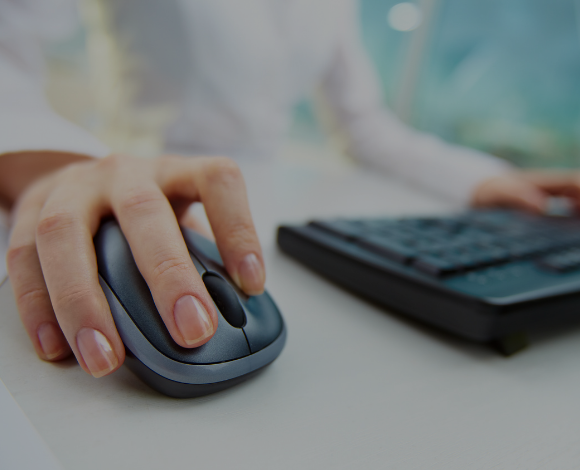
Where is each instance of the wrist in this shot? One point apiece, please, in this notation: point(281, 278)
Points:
point(19, 170)
point(480, 192)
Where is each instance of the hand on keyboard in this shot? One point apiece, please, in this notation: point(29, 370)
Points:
point(440, 246)
point(528, 190)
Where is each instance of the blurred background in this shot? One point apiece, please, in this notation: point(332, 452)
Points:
point(498, 75)
point(502, 76)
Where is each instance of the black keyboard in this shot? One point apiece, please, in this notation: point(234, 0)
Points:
point(490, 276)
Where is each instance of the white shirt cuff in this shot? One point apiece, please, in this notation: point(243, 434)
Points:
point(458, 182)
point(43, 131)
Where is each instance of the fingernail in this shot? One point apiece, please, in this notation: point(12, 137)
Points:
point(96, 351)
point(52, 341)
point(192, 319)
point(251, 275)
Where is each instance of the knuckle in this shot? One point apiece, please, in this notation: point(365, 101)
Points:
point(31, 296)
point(240, 234)
point(56, 222)
point(164, 160)
point(112, 162)
point(223, 170)
point(170, 267)
point(78, 296)
point(139, 200)
point(34, 195)
point(18, 254)
point(73, 171)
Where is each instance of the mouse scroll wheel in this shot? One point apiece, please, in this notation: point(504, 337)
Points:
point(225, 299)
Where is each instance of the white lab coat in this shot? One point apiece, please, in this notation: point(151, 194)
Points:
point(234, 70)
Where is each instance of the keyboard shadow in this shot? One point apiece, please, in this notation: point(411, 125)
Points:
point(537, 337)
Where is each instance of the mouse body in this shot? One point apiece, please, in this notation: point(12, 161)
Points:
point(250, 333)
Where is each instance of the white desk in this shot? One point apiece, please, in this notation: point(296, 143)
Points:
point(356, 387)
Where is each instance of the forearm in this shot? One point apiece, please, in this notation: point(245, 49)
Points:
point(449, 170)
point(34, 140)
point(375, 136)
point(19, 169)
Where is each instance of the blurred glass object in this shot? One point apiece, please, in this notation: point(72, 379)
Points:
point(68, 85)
point(499, 75)
point(91, 79)
point(405, 16)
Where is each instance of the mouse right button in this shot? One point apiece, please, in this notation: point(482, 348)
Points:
point(263, 322)
point(225, 299)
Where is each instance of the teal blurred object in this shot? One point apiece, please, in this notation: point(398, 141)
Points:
point(499, 75)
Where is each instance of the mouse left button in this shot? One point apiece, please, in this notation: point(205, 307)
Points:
point(198, 266)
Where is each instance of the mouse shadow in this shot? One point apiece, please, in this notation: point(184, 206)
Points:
point(133, 384)
point(66, 363)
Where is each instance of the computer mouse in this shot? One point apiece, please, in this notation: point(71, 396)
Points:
point(250, 333)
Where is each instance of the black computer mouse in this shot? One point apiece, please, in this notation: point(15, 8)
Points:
point(250, 333)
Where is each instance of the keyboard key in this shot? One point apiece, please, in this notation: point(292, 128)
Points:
point(468, 261)
point(488, 255)
point(563, 261)
point(442, 246)
point(436, 266)
point(391, 249)
point(342, 228)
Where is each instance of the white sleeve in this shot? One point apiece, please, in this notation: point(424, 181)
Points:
point(27, 123)
point(375, 136)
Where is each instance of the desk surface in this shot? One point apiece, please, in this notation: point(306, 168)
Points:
point(356, 387)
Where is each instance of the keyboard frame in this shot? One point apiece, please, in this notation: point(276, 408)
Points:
point(503, 321)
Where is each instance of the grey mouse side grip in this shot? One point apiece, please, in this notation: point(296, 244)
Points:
point(118, 269)
point(181, 372)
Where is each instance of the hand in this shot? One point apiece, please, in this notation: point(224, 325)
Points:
point(52, 261)
point(528, 190)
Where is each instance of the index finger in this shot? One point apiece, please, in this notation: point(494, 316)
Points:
point(556, 182)
point(218, 183)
